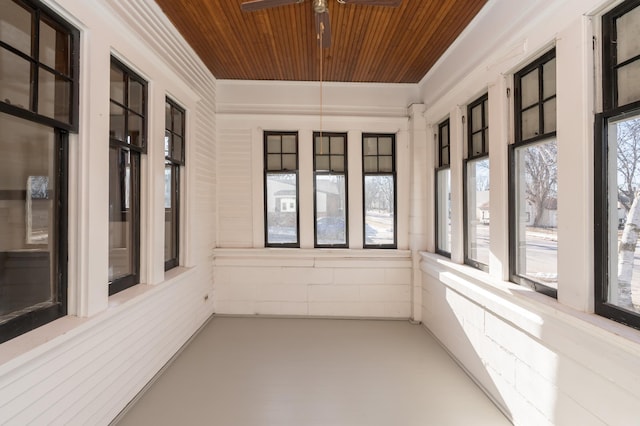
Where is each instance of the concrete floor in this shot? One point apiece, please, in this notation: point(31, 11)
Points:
point(298, 372)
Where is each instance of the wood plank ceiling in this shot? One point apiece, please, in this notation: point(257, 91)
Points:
point(369, 43)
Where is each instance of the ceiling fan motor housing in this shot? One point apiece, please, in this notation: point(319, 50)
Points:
point(320, 6)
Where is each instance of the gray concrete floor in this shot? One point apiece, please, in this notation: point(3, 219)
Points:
point(263, 371)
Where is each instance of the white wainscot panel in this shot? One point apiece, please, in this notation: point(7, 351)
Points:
point(307, 282)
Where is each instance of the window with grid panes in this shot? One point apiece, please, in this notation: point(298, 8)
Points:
point(38, 109)
point(379, 176)
point(174, 141)
point(533, 178)
point(127, 144)
point(443, 191)
point(617, 169)
point(476, 185)
point(281, 189)
point(330, 195)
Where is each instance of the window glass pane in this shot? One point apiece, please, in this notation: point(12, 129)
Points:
point(15, 80)
point(550, 115)
point(178, 118)
point(337, 163)
point(273, 144)
point(476, 144)
point(178, 152)
point(486, 113)
point(444, 160)
point(370, 146)
point(624, 217)
point(379, 199)
point(282, 218)
point(385, 164)
point(167, 143)
point(54, 96)
point(117, 84)
point(444, 136)
point(529, 89)
point(536, 236)
point(322, 162)
point(628, 31)
point(385, 146)
point(168, 116)
point(370, 164)
point(322, 145)
point(530, 123)
point(476, 118)
point(331, 220)
point(274, 162)
point(478, 211)
point(170, 219)
point(121, 215)
point(55, 46)
point(443, 213)
point(337, 145)
point(549, 79)
point(289, 144)
point(27, 207)
point(629, 83)
point(289, 162)
point(135, 135)
point(116, 122)
point(15, 27)
point(136, 96)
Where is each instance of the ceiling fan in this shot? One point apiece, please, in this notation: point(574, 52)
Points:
point(323, 25)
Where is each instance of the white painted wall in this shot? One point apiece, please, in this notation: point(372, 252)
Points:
point(353, 282)
point(84, 368)
point(544, 361)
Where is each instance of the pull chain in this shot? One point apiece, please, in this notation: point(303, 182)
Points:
point(321, 26)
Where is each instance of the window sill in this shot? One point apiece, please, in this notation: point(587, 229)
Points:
point(31, 345)
point(308, 257)
point(532, 312)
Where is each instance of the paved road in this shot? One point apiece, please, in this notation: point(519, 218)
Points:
point(540, 256)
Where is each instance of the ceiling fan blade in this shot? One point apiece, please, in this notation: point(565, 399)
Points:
point(390, 3)
point(250, 6)
point(323, 24)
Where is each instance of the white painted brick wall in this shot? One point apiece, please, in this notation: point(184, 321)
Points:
point(316, 283)
point(548, 368)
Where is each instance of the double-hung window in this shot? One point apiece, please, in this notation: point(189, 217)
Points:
point(443, 191)
point(281, 189)
point(127, 144)
point(617, 169)
point(533, 178)
point(173, 160)
point(476, 185)
point(379, 176)
point(330, 169)
point(38, 109)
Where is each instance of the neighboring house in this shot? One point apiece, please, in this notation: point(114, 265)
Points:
point(549, 215)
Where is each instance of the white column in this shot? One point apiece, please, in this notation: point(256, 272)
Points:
point(575, 94)
point(355, 182)
point(418, 143)
point(499, 137)
point(456, 145)
point(305, 188)
point(152, 259)
point(89, 187)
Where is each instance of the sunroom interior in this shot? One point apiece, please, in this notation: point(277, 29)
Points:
point(155, 175)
